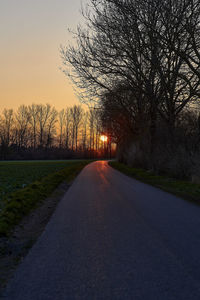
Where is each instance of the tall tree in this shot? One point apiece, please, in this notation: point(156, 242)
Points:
point(33, 113)
point(44, 112)
point(61, 121)
point(22, 118)
point(6, 124)
point(76, 114)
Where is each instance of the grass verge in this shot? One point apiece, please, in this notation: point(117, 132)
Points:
point(187, 190)
point(21, 202)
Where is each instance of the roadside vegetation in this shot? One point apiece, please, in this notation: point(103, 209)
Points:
point(185, 189)
point(41, 179)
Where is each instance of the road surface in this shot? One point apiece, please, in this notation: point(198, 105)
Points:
point(113, 237)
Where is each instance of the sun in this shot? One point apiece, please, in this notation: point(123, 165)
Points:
point(104, 138)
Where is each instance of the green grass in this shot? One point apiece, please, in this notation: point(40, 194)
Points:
point(20, 201)
point(185, 189)
point(17, 175)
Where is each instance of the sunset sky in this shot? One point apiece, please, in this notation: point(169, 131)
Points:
point(31, 33)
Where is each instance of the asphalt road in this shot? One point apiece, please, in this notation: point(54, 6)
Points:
point(113, 237)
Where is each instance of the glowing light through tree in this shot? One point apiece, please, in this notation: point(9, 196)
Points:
point(104, 138)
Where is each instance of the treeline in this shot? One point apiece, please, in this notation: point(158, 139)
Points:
point(42, 132)
point(140, 59)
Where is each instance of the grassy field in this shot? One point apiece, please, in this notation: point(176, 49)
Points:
point(24, 184)
point(185, 189)
point(17, 175)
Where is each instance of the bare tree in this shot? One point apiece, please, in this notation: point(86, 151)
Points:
point(84, 131)
point(30, 131)
point(113, 53)
point(141, 47)
point(189, 12)
point(97, 126)
point(6, 123)
point(61, 121)
point(91, 126)
point(22, 118)
point(33, 113)
point(67, 126)
point(44, 112)
point(51, 129)
point(76, 114)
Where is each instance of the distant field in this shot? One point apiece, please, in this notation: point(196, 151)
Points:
point(18, 174)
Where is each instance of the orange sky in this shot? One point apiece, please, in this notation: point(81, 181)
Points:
point(31, 32)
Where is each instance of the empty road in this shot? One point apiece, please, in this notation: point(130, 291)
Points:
point(113, 237)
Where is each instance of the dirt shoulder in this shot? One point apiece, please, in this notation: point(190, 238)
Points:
point(14, 248)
